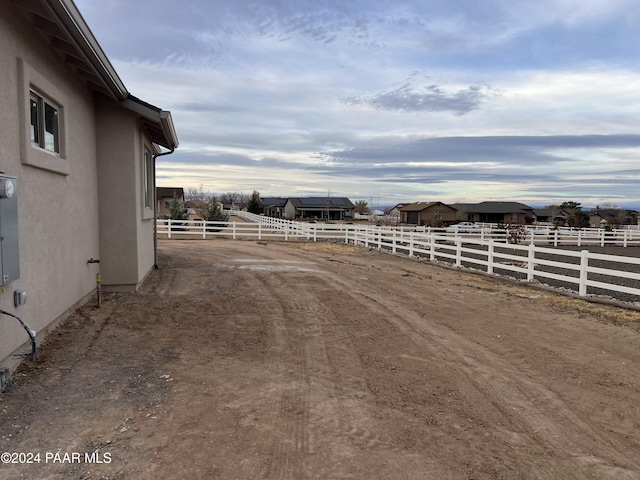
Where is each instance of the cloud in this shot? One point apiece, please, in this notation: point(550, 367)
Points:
point(432, 98)
point(208, 107)
point(215, 158)
point(405, 100)
point(507, 150)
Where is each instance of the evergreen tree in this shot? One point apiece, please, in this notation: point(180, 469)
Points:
point(362, 207)
point(577, 217)
point(177, 211)
point(253, 206)
point(213, 212)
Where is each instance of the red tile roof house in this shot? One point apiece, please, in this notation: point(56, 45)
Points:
point(79, 151)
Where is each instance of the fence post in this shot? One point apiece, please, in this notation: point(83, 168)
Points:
point(432, 242)
point(531, 264)
point(234, 230)
point(555, 238)
point(393, 244)
point(169, 228)
point(410, 244)
point(379, 233)
point(584, 264)
point(458, 251)
point(204, 229)
point(490, 255)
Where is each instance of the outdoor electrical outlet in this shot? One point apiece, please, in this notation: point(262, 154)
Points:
point(19, 298)
point(5, 378)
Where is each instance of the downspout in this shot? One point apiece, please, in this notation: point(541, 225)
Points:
point(155, 207)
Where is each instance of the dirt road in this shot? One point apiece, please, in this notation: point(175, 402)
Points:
point(250, 360)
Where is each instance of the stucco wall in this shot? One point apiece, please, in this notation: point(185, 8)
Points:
point(57, 214)
point(144, 217)
point(437, 213)
point(146, 257)
point(289, 211)
point(126, 236)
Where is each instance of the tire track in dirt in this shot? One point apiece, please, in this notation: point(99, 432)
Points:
point(337, 362)
point(534, 413)
point(484, 396)
point(287, 410)
point(323, 368)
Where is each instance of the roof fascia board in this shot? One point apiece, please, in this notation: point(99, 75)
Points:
point(150, 112)
point(141, 108)
point(167, 126)
point(79, 32)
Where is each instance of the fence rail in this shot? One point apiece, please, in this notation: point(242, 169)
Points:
point(267, 226)
point(487, 249)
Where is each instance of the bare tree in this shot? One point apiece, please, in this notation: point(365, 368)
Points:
point(236, 199)
point(197, 199)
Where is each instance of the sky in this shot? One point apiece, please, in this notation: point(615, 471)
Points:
point(389, 100)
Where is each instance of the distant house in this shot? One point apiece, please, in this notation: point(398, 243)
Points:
point(273, 206)
point(166, 195)
point(612, 216)
point(394, 213)
point(328, 208)
point(556, 216)
point(79, 152)
point(431, 214)
point(194, 214)
point(495, 212)
point(544, 215)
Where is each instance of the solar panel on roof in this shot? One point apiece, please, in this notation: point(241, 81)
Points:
point(337, 201)
point(314, 201)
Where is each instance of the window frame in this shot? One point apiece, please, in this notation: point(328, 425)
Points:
point(148, 182)
point(39, 136)
point(32, 83)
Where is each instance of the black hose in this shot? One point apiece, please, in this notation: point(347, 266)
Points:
point(31, 333)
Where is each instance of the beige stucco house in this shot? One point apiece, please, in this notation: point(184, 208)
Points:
point(433, 214)
point(80, 153)
point(166, 195)
point(330, 208)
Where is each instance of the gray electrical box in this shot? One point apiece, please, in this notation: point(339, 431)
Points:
point(9, 241)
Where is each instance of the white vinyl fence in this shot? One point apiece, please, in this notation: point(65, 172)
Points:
point(487, 249)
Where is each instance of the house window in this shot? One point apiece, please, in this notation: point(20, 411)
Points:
point(45, 128)
point(42, 121)
point(148, 179)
